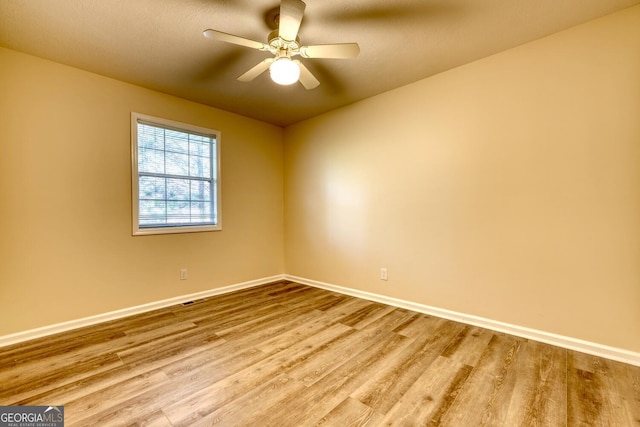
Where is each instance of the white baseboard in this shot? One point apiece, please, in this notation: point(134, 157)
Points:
point(595, 349)
point(620, 355)
point(118, 314)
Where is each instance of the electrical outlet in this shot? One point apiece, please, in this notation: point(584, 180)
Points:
point(183, 274)
point(383, 274)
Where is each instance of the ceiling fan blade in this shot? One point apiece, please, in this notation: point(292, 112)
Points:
point(230, 38)
point(256, 71)
point(291, 12)
point(306, 78)
point(341, 50)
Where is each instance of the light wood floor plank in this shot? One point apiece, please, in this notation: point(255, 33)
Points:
point(311, 326)
point(289, 355)
point(112, 396)
point(251, 407)
point(469, 345)
point(540, 395)
point(20, 389)
point(430, 396)
point(593, 396)
point(487, 393)
point(318, 399)
point(387, 385)
point(418, 326)
point(353, 413)
point(234, 385)
point(627, 380)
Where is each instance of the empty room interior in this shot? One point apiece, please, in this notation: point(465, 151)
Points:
point(436, 223)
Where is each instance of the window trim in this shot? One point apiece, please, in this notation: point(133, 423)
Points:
point(135, 178)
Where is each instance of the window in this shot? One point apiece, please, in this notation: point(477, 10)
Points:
point(175, 176)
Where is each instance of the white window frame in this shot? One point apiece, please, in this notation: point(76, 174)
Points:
point(135, 177)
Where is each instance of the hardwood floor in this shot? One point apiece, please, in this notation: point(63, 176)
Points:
point(290, 355)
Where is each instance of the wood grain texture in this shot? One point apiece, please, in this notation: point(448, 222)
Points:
point(286, 354)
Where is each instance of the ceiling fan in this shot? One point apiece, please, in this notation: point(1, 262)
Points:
point(284, 44)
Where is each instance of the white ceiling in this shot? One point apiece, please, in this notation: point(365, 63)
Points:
point(158, 44)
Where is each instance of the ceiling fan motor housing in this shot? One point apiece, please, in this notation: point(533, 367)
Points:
point(277, 44)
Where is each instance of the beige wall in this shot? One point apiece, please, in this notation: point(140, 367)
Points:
point(508, 188)
point(66, 249)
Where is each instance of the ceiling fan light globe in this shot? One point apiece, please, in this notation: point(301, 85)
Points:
point(284, 71)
